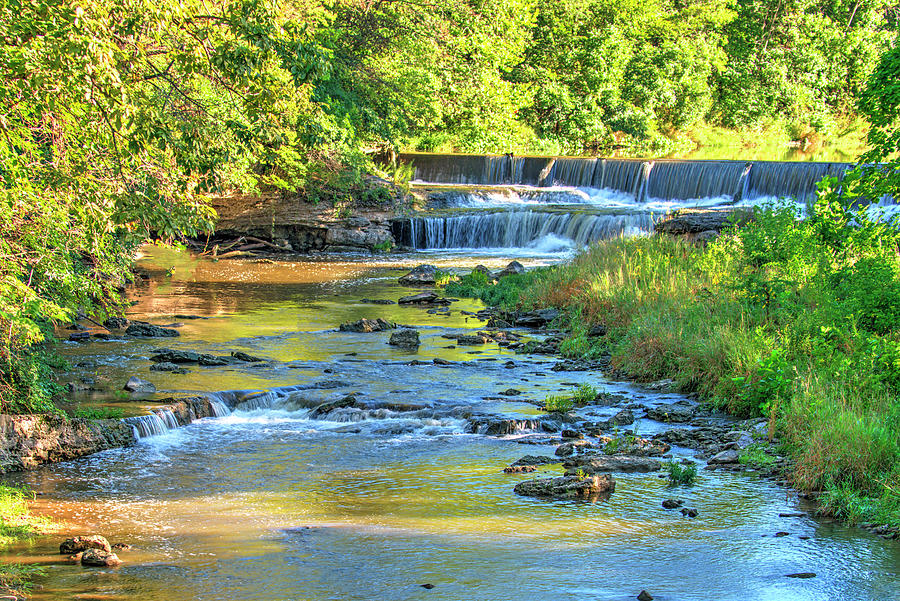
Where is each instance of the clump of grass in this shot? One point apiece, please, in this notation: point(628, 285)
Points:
point(756, 454)
point(585, 394)
point(99, 413)
point(504, 293)
point(15, 520)
point(16, 578)
point(558, 403)
point(680, 474)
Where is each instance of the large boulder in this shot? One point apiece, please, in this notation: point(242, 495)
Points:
point(405, 338)
point(725, 457)
point(421, 275)
point(484, 270)
point(146, 330)
point(567, 487)
point(116, 323)
point(366, 326)
point(77, 544)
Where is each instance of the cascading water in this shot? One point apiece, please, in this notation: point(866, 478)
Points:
point(516, 229)
point(615, 196)
point(663, 179)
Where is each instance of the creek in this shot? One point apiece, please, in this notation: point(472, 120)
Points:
point(269, 502)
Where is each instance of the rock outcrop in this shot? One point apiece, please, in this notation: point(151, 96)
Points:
point(27, 441)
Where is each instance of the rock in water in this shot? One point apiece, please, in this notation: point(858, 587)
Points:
point(146, 330)
point(487, 272)
point(135, 384)
point(672, 503)
point(629, 464)
point(166, 366)
point(78, 544)
point(537, 319)
point(513, 268)
point(567, 487)
point(423, 298)
point(728, 456)
point(242, 356)
point(165, 355)
point(421, 275)
point(116, 323)
point(365, 326)
point(645, 596)
point(329, 406)
point(405, 339)
point(99, 558)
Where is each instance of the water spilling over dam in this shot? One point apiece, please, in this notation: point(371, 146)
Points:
point(547, 204)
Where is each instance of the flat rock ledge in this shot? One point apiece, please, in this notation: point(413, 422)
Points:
point(567, 487)
point(29, 441)
point(627, 464)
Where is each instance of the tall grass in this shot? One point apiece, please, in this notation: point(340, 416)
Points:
point(797, 321)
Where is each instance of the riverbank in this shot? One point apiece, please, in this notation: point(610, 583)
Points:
point(17, 523)
point(758, 324)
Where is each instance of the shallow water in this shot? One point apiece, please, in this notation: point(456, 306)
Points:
point(269, 504)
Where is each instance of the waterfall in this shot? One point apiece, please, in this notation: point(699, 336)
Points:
point(662, 179)
point(516, 229)
point(158, 421)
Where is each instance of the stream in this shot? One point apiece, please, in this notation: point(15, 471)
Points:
point(267, 503)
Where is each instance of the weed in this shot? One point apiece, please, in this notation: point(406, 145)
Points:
point(558, 403)
point(679, 474)
point(585, 394)
point(756, 454)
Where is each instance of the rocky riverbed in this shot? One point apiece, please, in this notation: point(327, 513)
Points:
point(419, 461)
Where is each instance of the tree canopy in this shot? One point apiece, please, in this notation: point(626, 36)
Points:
point(118, 118)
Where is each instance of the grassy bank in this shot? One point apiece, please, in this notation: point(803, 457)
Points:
point(16, 523)
point(797, 321)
